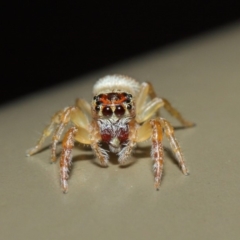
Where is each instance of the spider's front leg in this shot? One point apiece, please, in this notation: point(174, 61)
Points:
point(154, 129)
point(66, 157)
point(157, 151)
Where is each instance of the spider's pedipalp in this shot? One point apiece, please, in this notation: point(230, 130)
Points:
point(95, 138)
point(132, 139)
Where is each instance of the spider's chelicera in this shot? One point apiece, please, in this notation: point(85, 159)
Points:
point(122, 113)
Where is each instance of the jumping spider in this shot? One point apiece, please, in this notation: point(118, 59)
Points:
point(122, 113)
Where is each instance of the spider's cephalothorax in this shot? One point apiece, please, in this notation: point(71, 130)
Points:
point(123, 112)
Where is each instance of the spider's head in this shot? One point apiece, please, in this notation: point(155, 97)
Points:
point(113, 105)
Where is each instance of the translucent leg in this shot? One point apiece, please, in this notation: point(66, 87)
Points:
point(168, 130)
point(46, 132)
point(176, 114)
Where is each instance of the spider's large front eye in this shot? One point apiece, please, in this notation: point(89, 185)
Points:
point(119, 111)
point(107, 112)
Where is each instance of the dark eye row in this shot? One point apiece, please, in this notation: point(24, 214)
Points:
point(107, 111)
point(111, 96)
point(119, 111)
point(128, 97)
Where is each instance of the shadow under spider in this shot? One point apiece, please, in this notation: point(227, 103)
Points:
point(182, 127)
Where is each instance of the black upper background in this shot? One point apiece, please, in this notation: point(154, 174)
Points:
point(48, 43)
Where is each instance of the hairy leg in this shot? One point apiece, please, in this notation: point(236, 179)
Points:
point(154, 129)
point(64, 120)
point(157, 151)
point(66, 157)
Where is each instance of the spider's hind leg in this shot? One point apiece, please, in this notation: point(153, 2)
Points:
point(175, 113)
point(46, 133)
point(58, 122)
point(168, 107)
point(153, 129)
point(145, 108)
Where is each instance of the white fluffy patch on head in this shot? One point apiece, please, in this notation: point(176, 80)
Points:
point(116, 83)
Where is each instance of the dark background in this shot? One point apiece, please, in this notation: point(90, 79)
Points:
point(45, 44)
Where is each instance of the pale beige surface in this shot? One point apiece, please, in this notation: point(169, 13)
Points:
point(202, 79)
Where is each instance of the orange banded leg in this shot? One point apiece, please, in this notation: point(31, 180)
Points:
point(157, 151)
point(64, 120)
point(66, 157)
point(168, 130)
